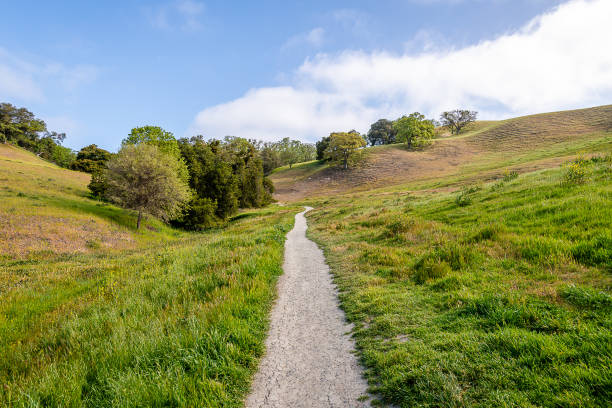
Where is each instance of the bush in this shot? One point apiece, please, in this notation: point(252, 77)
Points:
point(510, 175)
point(575, 171)
point(465, 196)
point(200, 214)
point(98, 185)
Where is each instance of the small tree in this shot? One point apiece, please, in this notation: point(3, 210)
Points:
point(457, 119)
point(414, 130)
point(91, 159)
point(163, 140)
point(382, 132)
point(142, 178)
point(343, 146)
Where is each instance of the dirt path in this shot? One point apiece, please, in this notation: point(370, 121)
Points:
point(309, 360)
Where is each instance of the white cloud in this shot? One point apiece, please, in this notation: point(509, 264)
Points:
point(183, 14)
point(21, 79)
point(313, 38)
point(559, 60)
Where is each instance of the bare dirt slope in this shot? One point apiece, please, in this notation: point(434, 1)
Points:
point(309, 360)
point(529, 142)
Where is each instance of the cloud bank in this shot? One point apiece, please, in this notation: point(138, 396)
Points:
point(559, 60)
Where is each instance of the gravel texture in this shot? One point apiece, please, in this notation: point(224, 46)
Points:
point(309, 359)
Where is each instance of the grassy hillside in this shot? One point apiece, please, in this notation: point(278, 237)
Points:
point(94, 313)
point(45, 210)
point(477, 272)
point(521, 144)
point(496, 295)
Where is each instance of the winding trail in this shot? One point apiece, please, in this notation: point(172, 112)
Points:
point(309, 359)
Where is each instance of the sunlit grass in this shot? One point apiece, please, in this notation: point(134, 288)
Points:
point(95, 313)
point(502, 301)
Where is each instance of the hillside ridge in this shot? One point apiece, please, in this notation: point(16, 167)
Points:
point(488, 148)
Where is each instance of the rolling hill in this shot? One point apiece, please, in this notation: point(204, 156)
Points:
point(485, 150)
point(477, 272)
point(96, 313)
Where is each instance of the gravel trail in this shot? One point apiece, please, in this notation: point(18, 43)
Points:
point(309, 359)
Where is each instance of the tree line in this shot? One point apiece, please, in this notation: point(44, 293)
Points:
point(21, 127)
point(195, 183)
point(414, 130)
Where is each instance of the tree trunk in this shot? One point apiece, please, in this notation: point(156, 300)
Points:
point(139, 218)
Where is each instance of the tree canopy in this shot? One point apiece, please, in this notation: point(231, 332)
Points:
point(163, 140)
point(21, 127)
point(91, 159)
point(145, 179)
point(414, 130)
point(321, 147)
point(343, 146)
point(382, 132)
point(223, 175)
point(457, 119)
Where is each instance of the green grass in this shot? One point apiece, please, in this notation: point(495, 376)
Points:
point(177, 324)
point(95, 313)
point(503, 299)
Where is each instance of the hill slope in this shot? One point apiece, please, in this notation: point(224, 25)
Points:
point(470, 285)
point(487, 149)
point(95, 313)
point(45, 209)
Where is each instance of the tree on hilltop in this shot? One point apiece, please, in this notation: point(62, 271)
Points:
point(381, 132)
point(142, 178)
point(457, 119)
point(91, 159)
point(343, 146)
point(414, 130)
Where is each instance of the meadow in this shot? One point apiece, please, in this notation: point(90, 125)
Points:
point(95, 313)
point(494, 293)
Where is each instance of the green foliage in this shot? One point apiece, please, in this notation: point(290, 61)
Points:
point(163, 140)
point(19, 126)
point(91, 159)
point(223, 175)
point(465, 197)
point(156, 136)
point(575, 171)
point(344, 146)
point(145, 179)
point(199, 215)
point(98, 185)
point(382, 132)
point(414, 130)
point(321, 146)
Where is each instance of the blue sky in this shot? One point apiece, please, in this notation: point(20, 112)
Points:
point(270, 69)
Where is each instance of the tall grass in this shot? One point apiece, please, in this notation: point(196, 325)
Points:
point(501, 298)
point(177, 324)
